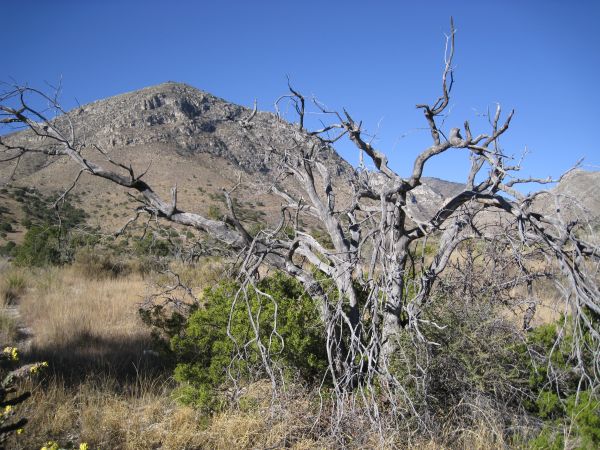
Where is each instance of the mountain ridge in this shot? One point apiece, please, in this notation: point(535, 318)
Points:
point(188, 136)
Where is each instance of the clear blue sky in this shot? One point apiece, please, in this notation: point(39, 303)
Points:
point(376, 58)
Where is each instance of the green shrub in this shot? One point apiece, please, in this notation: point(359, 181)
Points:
point(39, 209)
point(6, 226)
point(152, 245)
point(205, 352)
point(8, 249)
point(476, 356)
point(40, 247)
point(50, 237)
point(556, 400)
point(579, 417)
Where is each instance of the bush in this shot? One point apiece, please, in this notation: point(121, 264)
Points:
point(97, 265)
point(564, 402)
point(6, 226)
point(152, 245)
point(39, 209)
point(40, 247)
point(12, 287)
point(473, 362)
point(205, 353)
point(8, 249)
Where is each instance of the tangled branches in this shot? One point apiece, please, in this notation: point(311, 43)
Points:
point(376, 269)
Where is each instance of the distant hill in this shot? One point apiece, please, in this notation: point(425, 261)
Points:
point(582, 189)
point(576, 197)
point(191, 138)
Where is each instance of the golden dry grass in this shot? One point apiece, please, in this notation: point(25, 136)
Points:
point(93, 413)
point(61, 303)
point(98, 389)
point(81, 325)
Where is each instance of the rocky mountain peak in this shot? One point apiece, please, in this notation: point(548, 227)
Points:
point(158, 113)
point(175, 117)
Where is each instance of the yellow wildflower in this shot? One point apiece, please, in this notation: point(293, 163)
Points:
point(11, 352)
point(7, 409)
point(20, 430)
point(36, 367)
point(83, 446)
point(50, 445)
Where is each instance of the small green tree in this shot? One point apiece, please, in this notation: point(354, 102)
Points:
point(40, 247)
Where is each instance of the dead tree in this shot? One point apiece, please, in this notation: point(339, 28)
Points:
point(367, 281)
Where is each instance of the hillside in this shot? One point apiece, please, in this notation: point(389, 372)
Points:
point(191, 138)
point(576, 196)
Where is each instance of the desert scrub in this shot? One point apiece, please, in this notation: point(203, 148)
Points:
point(12, 286)
point(41, 247)
point(567, 406)
point(288, 326)
point(97, 264)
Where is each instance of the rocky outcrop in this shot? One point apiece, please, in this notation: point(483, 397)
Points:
point(576, 196)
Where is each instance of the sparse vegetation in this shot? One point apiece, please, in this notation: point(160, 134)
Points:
point(214, 212)
point(381, 327)
point(114, 394)
point(12, 286)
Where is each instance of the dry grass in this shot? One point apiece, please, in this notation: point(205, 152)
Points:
point(93, 413)
point(12, 285)
point(149, 418)
point(61, 303)
point(82, 325)
point(101, 389)
point(8, 328)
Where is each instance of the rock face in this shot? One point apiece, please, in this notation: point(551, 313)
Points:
point(187, 119)
point(191, 120)
point(425, 200)
point(577, 195)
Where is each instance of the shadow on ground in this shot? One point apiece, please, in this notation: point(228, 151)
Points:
point(122, 358)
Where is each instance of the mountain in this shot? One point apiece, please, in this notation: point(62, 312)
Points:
point(576, 196)
point(425, 200)
point(186, 137)
point(183, 136)
point(183, 120)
